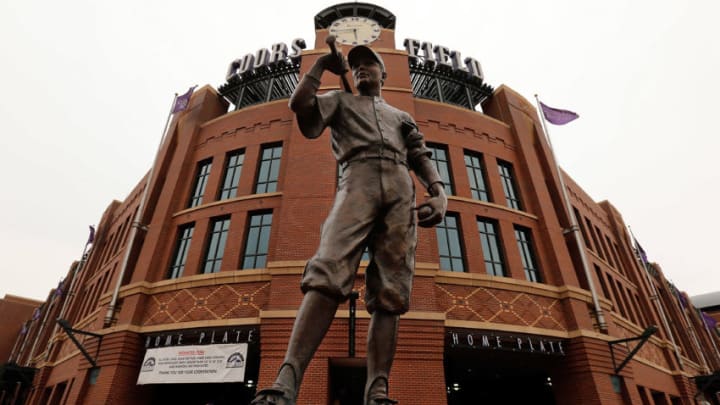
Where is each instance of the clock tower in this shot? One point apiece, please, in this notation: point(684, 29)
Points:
point(354, 24)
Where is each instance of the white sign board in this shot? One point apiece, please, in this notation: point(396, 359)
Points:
point(194, 364)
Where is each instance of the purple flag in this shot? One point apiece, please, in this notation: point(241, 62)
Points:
point(683, 300)
point(640, 251)
point(59, 289)
point(557, 116)
point(182, 102)
point(24, 329)
point(36, 314)
point(709, 320)
point(91, 237)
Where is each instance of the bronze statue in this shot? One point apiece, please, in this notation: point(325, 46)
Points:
point(376, 145)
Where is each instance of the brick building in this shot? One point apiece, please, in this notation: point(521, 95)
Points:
point(17, 314)
point(503, 308)
point(14, 311)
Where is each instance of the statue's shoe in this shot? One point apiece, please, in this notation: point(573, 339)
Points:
point(273, 396)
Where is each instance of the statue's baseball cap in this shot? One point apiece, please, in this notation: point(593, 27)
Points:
point(360, 51)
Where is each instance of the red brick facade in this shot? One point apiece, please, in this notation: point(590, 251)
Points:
point(14, 311)
point(429, 367)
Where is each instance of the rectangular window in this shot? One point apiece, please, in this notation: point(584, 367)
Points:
point(476, 176)
point(633, 304)
point(603, 285)
point(442, 164)
point(527, 254)
point(643, 317)
point(590, 228)
point(619, 303)
point(643, 395)
point(177, 266)
point(201, 178)
point(628, 304)
point(269, 169)
point(608, 250)
point(448, 236)
point(258, 240)
point(216, 245)
point(613, 249)
point(488, 229)
point(233, 168)
point(579, 220)
point(507, 176)
point(602, 249)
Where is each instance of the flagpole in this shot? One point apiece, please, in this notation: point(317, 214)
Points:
point(574, 228)
point(137, 222)
point(656, 297)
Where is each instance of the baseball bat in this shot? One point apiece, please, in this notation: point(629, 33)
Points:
point(330, 40)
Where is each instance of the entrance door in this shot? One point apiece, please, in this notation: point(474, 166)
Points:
point(202, 394)
point(476, 380)
point(347, 381)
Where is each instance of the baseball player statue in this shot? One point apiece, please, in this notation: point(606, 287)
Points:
point(376, 145)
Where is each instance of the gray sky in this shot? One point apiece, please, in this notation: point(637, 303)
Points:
point(87, 86)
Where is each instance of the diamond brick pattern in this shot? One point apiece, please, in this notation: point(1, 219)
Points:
point(501, 306)
point(649, 351)
point(225, 301)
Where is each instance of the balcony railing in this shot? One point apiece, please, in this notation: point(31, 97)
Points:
point(447, 85)
point(262, 85)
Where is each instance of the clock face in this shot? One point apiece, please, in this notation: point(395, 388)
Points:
point(355, 30)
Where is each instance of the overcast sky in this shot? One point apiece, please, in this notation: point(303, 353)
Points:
point(86, 87)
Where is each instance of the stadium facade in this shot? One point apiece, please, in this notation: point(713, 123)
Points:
point(192, 300)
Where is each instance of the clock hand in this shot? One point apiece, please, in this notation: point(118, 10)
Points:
point(355, 32)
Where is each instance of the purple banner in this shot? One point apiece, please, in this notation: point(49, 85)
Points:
point(557, 116)
point(182, 102)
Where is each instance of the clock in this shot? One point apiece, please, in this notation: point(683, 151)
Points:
point(355, 30)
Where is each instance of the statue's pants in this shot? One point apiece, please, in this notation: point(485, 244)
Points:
point(374, 207)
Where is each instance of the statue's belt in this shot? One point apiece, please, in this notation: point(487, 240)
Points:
point(398, 158)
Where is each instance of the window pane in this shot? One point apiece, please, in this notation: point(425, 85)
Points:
point(476, 176)
point(443, 244)
point(508, 182)
point(439, 158)
point(253, 239)
point(269, 170)
point(260, 261)
point(454, 242)
point(264, 240)
point(494, 262)
point(522, 236)
point(198, 190)
point(233, 169)
point(177, 265)
point(216, 245)
point(449, 245)
point(264, 171)
point(258, 240)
